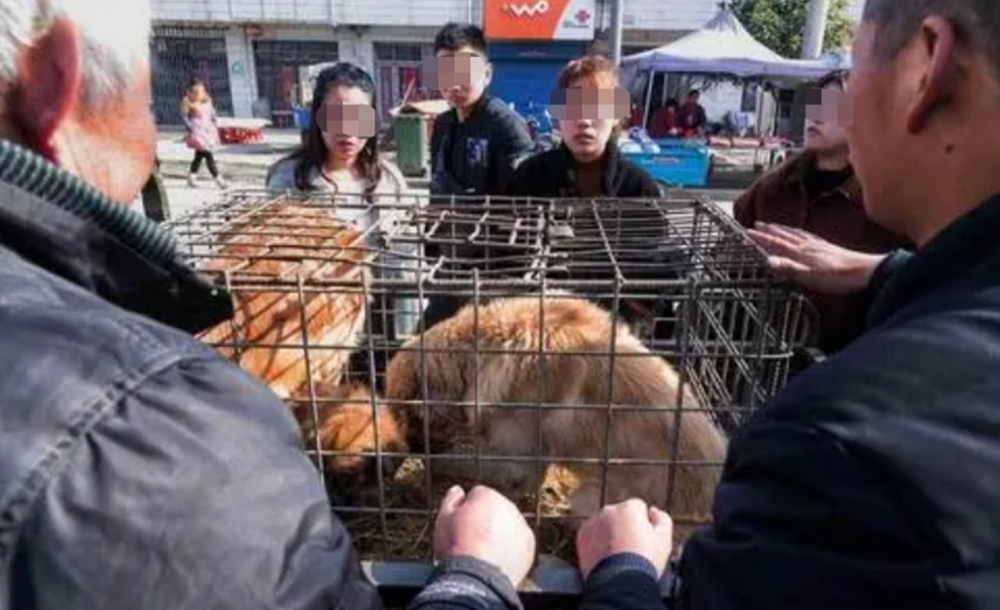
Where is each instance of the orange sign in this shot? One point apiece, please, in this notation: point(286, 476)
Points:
point(540, 19)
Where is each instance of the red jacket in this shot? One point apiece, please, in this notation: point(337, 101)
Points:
point(838, 216)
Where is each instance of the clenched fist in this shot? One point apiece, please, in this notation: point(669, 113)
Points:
point(629, 527)
point(487, 526)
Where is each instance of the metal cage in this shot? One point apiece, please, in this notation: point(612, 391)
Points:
point(559, 350)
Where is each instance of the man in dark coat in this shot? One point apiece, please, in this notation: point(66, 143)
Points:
point(870, 481)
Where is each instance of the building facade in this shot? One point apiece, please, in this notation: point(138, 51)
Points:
point(249, 52)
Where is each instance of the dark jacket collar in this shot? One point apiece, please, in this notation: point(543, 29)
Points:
point(611, 174)
point(477, 109)
point(955, 251)
point(797, 172)
point(55, 221)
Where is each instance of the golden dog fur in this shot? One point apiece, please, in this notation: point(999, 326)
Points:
point(281, 243)
point(576, 370)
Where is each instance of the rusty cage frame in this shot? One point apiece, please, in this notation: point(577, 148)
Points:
point(677, 271)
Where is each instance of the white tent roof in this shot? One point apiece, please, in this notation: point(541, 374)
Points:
point(723, 46)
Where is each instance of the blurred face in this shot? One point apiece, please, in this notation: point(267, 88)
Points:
point(829, 112)
point(198, 92)
point(587, 116)
point(878, 151)
point(347, 120)
point(461, 76)
point(694, 97)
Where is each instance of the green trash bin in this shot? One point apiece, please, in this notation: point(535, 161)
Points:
point(412, 150)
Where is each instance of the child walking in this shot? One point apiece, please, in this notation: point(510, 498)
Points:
point(203, 133)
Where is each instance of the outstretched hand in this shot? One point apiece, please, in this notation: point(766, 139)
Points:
point(814, 263)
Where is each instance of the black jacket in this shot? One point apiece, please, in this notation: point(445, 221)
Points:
point(870, 481)
point(477, 156)
point(552, 174)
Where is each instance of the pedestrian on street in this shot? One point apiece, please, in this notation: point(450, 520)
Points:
point(202, 131)
point(869, 482)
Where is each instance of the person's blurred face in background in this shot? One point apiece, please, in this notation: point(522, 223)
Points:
point(828, 114)
point(76, 90)
point(348, 121)
point(588, 105)
point(197, 92)
point(459, 68)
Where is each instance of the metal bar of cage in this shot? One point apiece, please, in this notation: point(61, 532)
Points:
point(677, 262)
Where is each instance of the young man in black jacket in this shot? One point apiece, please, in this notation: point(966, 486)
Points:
point(475, 146)
point(870, 481)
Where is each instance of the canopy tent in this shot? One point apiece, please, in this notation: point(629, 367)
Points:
point(723, 46)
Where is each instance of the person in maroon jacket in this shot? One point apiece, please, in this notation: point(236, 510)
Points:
point(818, 192)
point(691, 118)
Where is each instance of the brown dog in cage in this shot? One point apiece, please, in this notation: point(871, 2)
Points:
point(512, 355)
point(266, 255)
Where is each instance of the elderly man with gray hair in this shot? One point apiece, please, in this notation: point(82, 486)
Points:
point(138, 469)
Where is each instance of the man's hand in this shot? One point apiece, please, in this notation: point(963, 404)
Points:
point(813, 262)
point(630, 527)
point(487, 526)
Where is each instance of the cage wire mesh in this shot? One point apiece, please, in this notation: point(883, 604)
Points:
point(566, 352)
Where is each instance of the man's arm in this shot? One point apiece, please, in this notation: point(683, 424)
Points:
point(511, 143)
point(466, 583)
point(193, 493)
point(801, 522)
point(623, 582)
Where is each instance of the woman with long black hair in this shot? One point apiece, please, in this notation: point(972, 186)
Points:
point(340, 154)
point(340, 157)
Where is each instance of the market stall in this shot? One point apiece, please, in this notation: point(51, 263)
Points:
point(724, 49)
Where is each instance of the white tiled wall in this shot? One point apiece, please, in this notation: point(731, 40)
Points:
point(403, 12)
point(241, 73)
point(667, 14)
point(300, 11)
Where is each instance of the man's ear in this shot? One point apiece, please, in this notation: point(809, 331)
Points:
point(48, 86)
point(937, 48)
point(487, 74)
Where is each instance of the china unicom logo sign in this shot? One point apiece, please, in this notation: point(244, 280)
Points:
point(527, 10)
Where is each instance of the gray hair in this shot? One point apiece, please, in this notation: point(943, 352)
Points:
point(977, 23)
point(114, 38)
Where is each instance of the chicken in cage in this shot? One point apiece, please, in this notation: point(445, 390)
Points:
point(589, 351)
